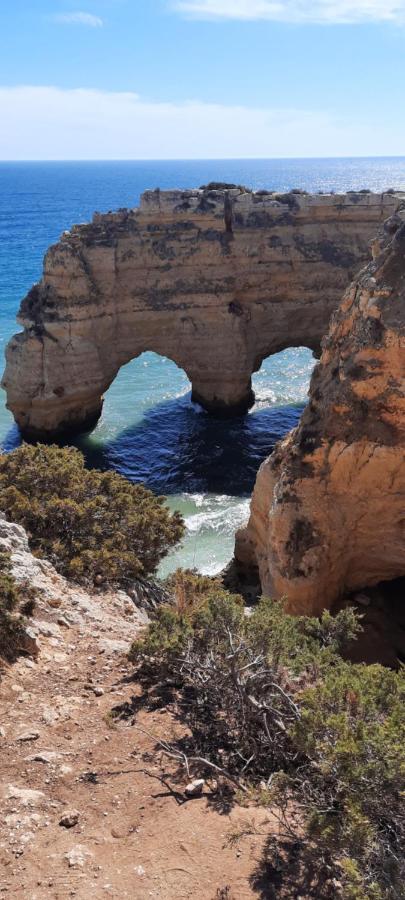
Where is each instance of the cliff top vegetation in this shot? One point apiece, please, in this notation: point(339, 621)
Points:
point(92, 526)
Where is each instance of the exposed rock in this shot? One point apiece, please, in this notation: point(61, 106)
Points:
point(25, 796)
point(44, 756)
point(327, 513)
point(28, 642)
point(74, 605)
point(98, 691)
point(28, 736)
point(70, 818)
point(195, 788)
point(111, 646)
point(215, 279)
point(76, 857)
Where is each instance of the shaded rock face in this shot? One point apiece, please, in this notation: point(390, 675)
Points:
point(328, 510)
point(215, 279)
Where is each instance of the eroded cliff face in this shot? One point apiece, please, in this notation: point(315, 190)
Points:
point(328, 510)
point(214, 279)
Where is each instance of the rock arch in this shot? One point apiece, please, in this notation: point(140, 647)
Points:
point(216, 279)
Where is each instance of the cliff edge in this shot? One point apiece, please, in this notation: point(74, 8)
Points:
point(328, 509)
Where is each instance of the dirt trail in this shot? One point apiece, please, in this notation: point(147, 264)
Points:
point(134, 838)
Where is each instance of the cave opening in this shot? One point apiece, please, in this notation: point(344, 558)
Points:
point(381, 608)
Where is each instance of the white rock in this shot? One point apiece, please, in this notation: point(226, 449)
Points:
point(114, 646)
point(28, 736)
point(28, 664)
point(49, 716)
point(44, 756)
point(48, 629)
point(76, 857)
point(195, 788)
point(25, 796)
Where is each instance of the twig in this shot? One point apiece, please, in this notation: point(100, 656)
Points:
point(185, 760)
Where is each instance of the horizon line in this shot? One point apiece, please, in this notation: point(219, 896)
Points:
point(204, 159)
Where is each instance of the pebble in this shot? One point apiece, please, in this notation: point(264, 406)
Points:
point(119, 832)
point(28, 664)
point(55, 602)
point(195, 788)
point(70, 818)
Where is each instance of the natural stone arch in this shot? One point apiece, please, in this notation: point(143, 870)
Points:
point(215, 279)
point(145, 383)
point(296, 373)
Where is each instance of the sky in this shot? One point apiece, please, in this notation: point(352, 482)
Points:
point(178, 79)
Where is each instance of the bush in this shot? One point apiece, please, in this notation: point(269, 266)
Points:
point(89, 524)
point(15, 604)
point(224, 186)
point(270, 698)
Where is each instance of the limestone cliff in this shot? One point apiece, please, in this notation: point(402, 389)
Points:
point(328, 510)
point(216, 279)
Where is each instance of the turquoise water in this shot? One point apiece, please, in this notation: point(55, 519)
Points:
point(150, 430)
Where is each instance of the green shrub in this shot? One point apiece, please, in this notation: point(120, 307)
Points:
point(89, 524)
point(350, 786)
point(15, 603)
point(190, 621)
point(270, 698)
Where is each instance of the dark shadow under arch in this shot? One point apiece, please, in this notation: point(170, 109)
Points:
point(174, 447)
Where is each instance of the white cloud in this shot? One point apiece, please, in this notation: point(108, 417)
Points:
point(78, 18)
point(326, 12)
point(53, 123)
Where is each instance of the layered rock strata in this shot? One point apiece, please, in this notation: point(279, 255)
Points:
point(215, 279)
point(328, 510)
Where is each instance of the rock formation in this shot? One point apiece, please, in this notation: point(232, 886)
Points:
point(216, 279)
point(328, 510)
point(109, 614)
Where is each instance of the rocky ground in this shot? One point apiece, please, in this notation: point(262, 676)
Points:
point(87, 807)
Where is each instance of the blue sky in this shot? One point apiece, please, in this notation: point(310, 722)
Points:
point(201, 78)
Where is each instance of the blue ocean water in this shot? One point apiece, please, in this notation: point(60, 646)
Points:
point(150, 430)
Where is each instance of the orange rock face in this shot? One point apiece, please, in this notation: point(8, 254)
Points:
point(328, 509)
point(215, 279)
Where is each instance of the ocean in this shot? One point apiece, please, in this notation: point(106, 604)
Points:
point(150, 431)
